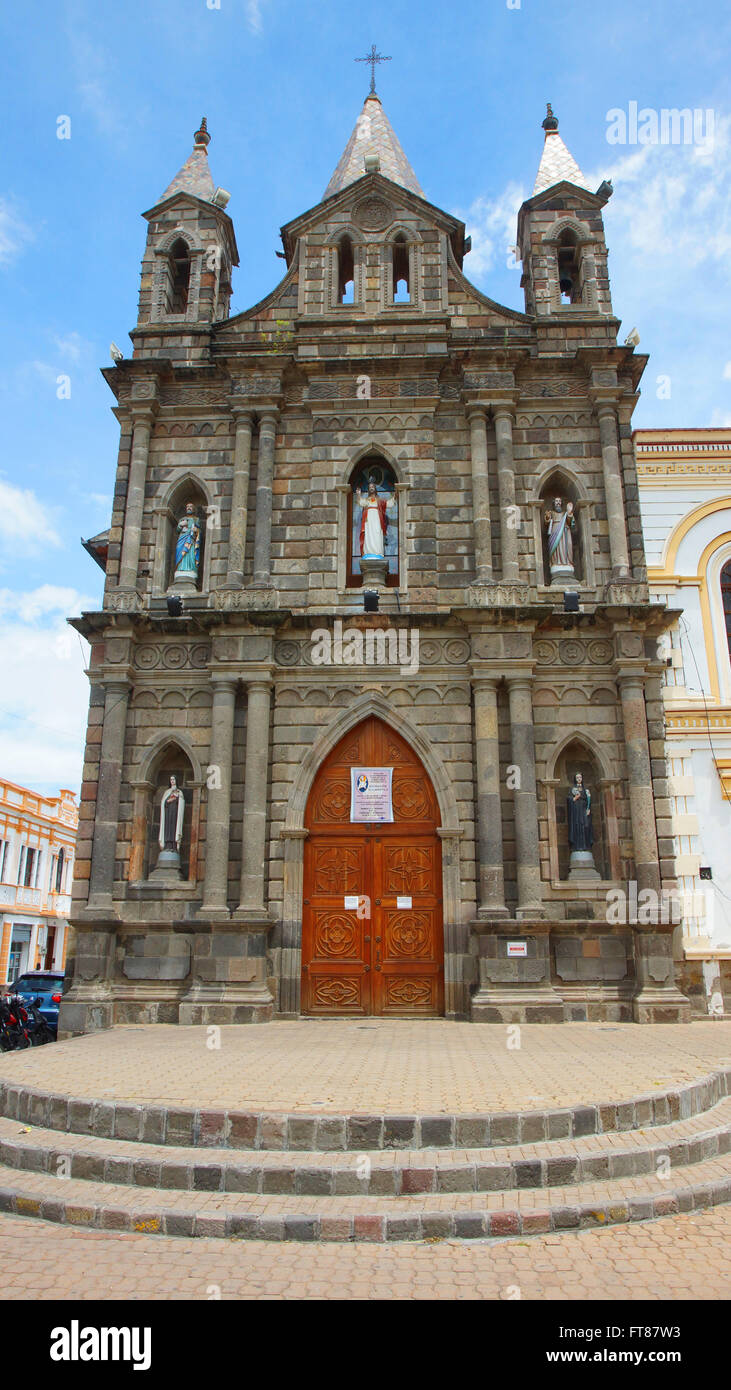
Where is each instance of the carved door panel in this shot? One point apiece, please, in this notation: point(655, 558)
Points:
point(408, 954)
point(378, 957)
point(335, 939)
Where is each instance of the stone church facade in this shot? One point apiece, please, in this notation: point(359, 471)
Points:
point(263, 675)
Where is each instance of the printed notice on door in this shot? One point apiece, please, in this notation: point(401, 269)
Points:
point(370, 794)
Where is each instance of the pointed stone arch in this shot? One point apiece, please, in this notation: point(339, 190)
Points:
point(181, 489)
point(294, 834)
point(169, 751)
point(566, 480)
point(606, 778)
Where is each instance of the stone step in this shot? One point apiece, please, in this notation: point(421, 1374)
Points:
point(422, 1216)
point(393, 1172)
point(329, 1131)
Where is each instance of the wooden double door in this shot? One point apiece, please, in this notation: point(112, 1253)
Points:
point(372, 936)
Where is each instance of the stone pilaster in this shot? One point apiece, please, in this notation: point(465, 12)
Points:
point(639, 773)
point(253, 847)
point(616, 520)
point(104, 844)
point(477, 417)
point(143, 415)
point(240, 497)
point(506, 484)
point(523, 754)
point(265, 479)
point(215, 884)
point(489, 817)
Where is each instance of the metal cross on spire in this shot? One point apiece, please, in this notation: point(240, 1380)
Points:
point(373, 58)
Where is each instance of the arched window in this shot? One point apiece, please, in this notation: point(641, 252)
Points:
point(726, 600)
point(569, 267)
point(179, 273)
point(373, 469)
point(401, 270)
point(346, 272)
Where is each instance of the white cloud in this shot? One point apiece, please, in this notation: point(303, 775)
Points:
point(492, 223)
point(71, 345)
point(15, 234)
point(721, 419)
point(44, 694)
point(253, 15)
point(672, 206)
point(25, 523)
point(727, 372)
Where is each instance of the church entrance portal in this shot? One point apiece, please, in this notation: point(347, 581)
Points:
point(381, 951)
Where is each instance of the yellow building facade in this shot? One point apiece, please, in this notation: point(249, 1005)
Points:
point(37, 848)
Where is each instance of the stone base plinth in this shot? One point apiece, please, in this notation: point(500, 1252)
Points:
point(519, 1004)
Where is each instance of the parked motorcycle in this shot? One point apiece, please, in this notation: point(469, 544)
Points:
point(14, 1032)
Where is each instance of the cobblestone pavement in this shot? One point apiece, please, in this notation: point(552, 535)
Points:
point(678, 1257)
point(387, 1066)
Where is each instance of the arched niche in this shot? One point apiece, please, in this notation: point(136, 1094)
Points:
point(166, 758)
point(373, 466)
point(186, 491)
point(562, 482)
point(577, 754)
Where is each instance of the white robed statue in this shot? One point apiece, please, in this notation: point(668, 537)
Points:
point(374, 522)
point(172, 811)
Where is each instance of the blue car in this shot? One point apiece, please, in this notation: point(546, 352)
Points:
point(46, 985)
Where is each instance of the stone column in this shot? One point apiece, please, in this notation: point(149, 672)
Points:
point(523, 756)
point(253, 847)
point(489, 817)
point(143, 417)
point(104, 844)
point(613, 491)
point(265, 480)
point(639, 771)
point(480, 493)
point(506, 483)
point(215, 884)
point(240, 498)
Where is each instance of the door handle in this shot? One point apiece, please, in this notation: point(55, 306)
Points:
point(366, 969)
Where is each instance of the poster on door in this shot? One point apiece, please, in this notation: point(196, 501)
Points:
point(370, 794)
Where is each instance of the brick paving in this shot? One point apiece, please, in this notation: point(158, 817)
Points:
point(386, 1066)
point(675, 1257)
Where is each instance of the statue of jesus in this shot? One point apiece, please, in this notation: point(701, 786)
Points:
point(374, 521)
point(560, 523)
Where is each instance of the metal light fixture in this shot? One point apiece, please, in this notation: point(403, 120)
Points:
point(370, 601)
point(175, 606)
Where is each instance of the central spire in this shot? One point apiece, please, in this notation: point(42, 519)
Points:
point(195, 175)
point(374, 140)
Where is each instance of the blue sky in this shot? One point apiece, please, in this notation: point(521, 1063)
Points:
point(465, 91)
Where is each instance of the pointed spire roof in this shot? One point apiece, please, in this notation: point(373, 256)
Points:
point(195, 176)
point(373, 136)
point(557, 163)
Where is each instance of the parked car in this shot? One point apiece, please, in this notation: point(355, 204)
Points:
point(46, 985)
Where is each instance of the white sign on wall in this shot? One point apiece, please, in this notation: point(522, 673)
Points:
point(517, 948)
point(370, 794)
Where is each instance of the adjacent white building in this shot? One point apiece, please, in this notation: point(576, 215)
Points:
point(37, 846)
point(685, 494)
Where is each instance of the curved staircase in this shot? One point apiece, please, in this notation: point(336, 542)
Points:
point(363, 1177)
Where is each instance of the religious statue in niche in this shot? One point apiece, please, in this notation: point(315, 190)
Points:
point(561, 525)
point(376, 511)
point(580, 830)
point(170, 835)
point(188, 549)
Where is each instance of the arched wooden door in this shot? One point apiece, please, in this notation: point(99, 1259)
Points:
point(386, 955)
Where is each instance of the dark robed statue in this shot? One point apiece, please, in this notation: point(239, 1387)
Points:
point(578, 815)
